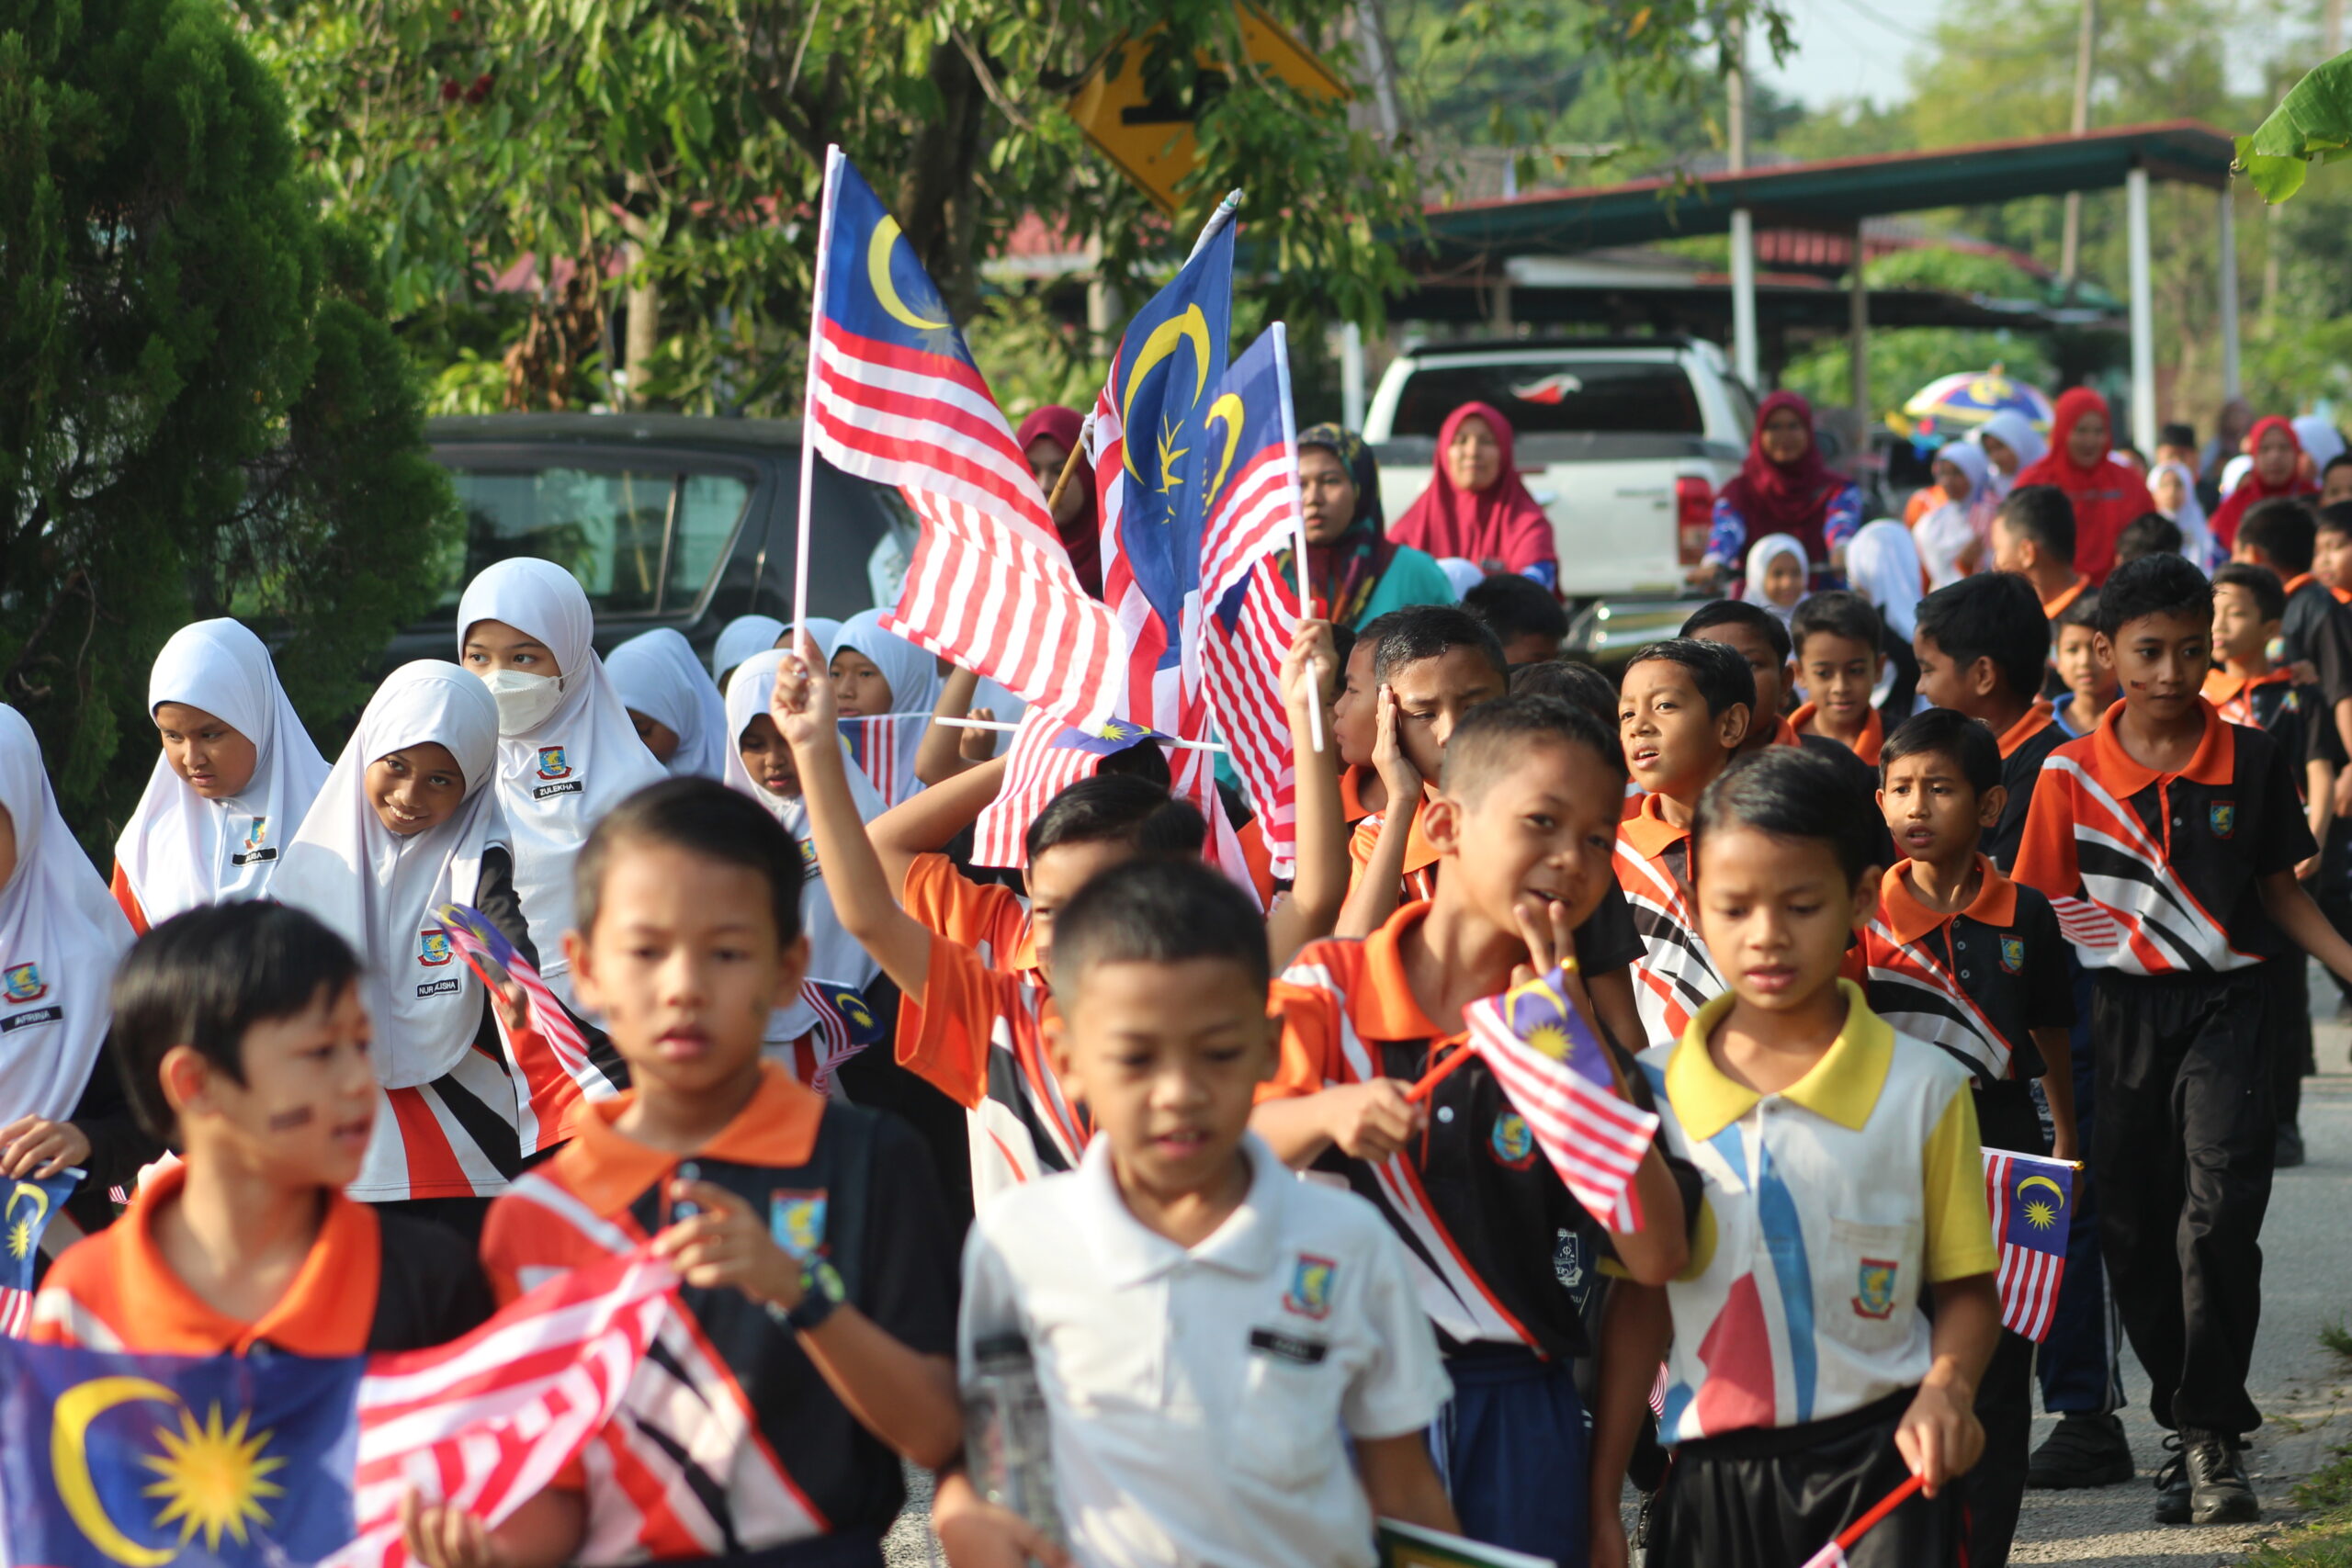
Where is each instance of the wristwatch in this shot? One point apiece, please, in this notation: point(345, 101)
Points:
point(820, 1292)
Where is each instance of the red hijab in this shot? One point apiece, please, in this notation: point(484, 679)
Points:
point(1083, 538)
point(2251, 490)
point(1501, 523)
point(1790, 498)
point(2106, 495)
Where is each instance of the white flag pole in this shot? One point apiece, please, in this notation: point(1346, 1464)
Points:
point(808, 397)
point(1298, 514)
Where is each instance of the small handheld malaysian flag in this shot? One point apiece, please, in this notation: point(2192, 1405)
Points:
point(2033, 1202)
point(552, 1055)
point(883, 748)
point(1549, 1060)
point(1048, 757)
point(25, 1216)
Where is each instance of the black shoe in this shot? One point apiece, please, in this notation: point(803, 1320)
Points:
point(2290, 1152)
point(2083, 1450)
point(2219, 1491)
point(2171, 1484)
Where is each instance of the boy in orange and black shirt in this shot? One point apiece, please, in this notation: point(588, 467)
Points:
point(242, 1039)
point(1984, 649)
point(1838, 637)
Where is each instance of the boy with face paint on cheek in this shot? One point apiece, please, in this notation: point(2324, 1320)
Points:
point(243, 1041)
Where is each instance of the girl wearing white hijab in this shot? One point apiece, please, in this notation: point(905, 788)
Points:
point(61, 937)
point(1952, 538)
point(2174, 489)
point(678, 712)
point(759, 764)
point(2321, 441)
point(2012, 444)
point(567, 751)
point(888, 689)
point(739, 640)
point(1777, 572)
point(408, 822)
point(1882, 564)
point(237, 774)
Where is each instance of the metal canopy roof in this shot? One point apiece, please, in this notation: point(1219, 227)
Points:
point(1834, 193)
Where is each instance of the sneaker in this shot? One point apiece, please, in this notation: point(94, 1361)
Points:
point(2171, 1484)
point(2219, 1491)
point(2289, 1152)
point(2083, 1450)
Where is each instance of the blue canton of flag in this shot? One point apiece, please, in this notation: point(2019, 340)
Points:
point(136, 1461)
point(1112, 738)
point(24, 1216)
point(2031, 1201)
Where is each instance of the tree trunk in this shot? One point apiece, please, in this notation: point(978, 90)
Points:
point(644, 332)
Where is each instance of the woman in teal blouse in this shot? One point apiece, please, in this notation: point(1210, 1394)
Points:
point(1355, 572)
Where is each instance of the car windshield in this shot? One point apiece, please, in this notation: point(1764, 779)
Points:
point(638, 540)
point(1612, 397)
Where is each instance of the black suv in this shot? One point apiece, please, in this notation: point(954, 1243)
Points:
point(667, 520)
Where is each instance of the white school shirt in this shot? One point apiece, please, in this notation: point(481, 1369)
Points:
point(1198, 1397)
point(1829, 1208)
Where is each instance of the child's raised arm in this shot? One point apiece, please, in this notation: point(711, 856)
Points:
point(862, 897)
point(1379, 884)
point(925, 822)
point(940, 755)
point(1321, 883)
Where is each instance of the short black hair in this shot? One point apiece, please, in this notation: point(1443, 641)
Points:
point(2152, 585)
point(2083, 612)
point(1496, 733)
point(1517, 607)
point(1114, 808)
point(1740, 612)
point(1343, 642)
point(2337, 517)
point(1159, 911)
point(1143, 760)
point(1721, 675)
point(1839, 614)
point(203, 978)
point(2341, 460)
point(1374, 630)
point(1575, 683)
point(2177, 435)
point(2042, 513)
point(1994, 616)
point(703, 818)
point(2269, 594)
point(1793, 792)
point(1948, 733)
point(2283, 529)
point(2150, 533)
point(1427, 631)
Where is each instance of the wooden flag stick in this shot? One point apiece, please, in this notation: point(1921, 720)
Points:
point(1069, 465)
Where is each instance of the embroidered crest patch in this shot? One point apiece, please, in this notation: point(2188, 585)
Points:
point(2222, 817)
point(2012, 954)
point(553, 764)
point(1874, 1288)
point(1512, 1144)
point(1310, 1287)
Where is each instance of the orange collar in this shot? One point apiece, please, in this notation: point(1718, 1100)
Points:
point(2037, 717)
point(1384, 1008)
point(1995, 903)
point(1351, 807)
point(2053, 608)
point(1419, 850)
point(2343, 595)
point(2220, 686)
point(1785, 734)
point(320, 1314)
point(2214, 762)
point(1867, 748)
point(1648, 831)
point(2296, 581)
point(608, 1170)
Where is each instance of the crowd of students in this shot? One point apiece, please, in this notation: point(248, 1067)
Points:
point(2031, 868)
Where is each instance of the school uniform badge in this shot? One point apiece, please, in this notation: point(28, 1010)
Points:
point(1310, 1287)
point(22, 983)
point(432, 948)
point(258, 847)
point(1874, 1288)
point(553, 763)
point(1512, 1144)
point(2222, 817)
point(2012, 954)
point(797, 1222)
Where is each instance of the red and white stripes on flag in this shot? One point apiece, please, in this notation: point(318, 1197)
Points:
point(1243, 664)
point(1593, 1139)
point(2032, 1268)
point(488, 1421)
point(15, 1312)
point(1035, 771)
point(551, 1055)
point(883, 748)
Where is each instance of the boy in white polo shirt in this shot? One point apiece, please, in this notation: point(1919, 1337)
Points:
point(1212, 1334)
point(1844, 1188)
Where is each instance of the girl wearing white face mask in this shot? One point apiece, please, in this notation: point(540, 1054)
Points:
point(567, 751)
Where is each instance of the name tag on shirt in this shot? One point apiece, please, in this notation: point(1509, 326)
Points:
point(569, 786)
point(255, 857)
point(1291, 1347)
point(26, 1019)
point(440, 987)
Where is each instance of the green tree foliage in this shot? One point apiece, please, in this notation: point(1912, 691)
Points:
point(2312, 124)
point(201, 409)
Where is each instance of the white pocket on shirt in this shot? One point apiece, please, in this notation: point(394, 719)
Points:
point(1867, 1294)
point(1286, 1431)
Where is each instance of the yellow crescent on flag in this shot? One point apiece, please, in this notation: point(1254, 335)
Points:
point(1229, 411)
point(1190, 325)
point(878, 273)
point(69, 1462)
point(2055, 1190)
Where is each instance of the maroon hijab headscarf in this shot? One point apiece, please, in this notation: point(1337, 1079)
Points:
point(1084, 536)
point(1501, 523)
point(1790, 498)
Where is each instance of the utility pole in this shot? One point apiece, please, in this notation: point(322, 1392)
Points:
point(1745, 360)
point(2070, 246)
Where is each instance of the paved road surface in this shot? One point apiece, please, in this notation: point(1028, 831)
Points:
point(2304, 1393)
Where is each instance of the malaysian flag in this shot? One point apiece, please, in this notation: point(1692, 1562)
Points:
point(1550, 1062)
point(552, 1055)
point(846, 1025)
point(883, 748)
point(258, 1462)
point(895, 398)
point(1048, 757)
point(1244, 478)
point(2032, 1201)
point(30, 1206)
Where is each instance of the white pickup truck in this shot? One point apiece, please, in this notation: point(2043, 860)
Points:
point(1624, 441)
